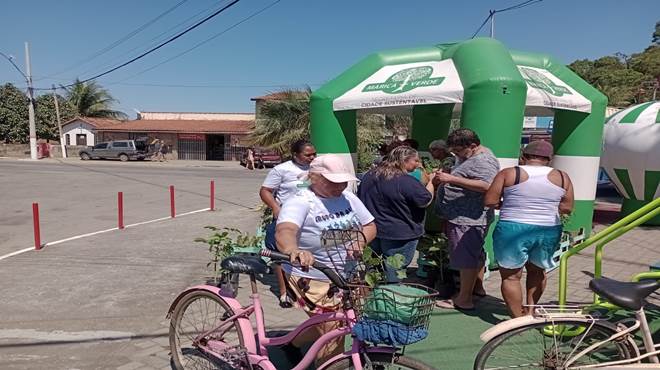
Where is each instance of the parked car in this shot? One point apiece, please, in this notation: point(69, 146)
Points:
point(123, 150)
point(263, 158)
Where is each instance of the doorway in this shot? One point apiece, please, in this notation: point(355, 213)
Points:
point(81, 139)
point(215, 147)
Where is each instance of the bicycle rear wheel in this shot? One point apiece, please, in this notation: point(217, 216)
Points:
point(547, 347)
point(196, 313)
point(382, 361)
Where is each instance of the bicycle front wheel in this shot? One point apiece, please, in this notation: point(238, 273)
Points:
point(552, 346)
point(197, 313)
point(382, 361)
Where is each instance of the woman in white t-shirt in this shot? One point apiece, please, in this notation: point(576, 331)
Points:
point(302, 219)
point(283, 182)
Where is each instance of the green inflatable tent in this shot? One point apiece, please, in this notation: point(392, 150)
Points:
point(490, 87)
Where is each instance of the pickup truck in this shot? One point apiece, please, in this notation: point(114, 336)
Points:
point(123, 150)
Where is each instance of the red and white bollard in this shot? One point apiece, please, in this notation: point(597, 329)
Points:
point(212, 206)
point(120, 210)
point(172, 210)
point(37, 231)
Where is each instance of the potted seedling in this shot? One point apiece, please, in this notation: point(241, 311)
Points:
point(433, 248)
point(222, 243)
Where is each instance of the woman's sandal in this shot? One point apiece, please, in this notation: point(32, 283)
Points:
point(450, 305)
point(285, 301)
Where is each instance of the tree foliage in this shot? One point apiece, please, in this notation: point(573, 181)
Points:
point(624, 79)
point(13, 114)
point(371, 132)
point(92, 100)
point(82, 100)
point(46, 117)
point(283, 120)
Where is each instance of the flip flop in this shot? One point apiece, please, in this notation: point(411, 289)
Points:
point(448, 304)
point(480, 295)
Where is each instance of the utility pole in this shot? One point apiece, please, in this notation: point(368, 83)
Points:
point(492, 24)
point(33, 129)
point(59, 122)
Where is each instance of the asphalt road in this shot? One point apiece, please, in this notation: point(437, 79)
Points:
point(100, 302)
point(77, 197)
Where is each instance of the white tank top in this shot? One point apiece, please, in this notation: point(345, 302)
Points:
point(535, 201)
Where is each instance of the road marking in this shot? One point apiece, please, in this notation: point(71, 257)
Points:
point(100, 232)
point(16, 253)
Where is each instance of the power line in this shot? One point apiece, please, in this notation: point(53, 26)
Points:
point(155, 48)
point(482, 25)
point(149, 42)
point(201, 43)
point(493, 12)
point(119, 41)
point(213, 86)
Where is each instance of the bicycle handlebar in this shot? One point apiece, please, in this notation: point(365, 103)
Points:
point(327, 271)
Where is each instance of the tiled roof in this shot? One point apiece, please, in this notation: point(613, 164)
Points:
point(96, 122)
point(200, 126)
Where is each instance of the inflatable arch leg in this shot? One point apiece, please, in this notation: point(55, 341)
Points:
point(577, 140)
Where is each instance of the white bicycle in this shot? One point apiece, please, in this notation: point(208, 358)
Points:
point(561, 338)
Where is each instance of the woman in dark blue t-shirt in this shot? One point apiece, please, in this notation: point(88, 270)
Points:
point(398, 202)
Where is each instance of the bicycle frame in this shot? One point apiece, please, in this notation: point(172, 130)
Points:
point(550, 317)
point(256, 348)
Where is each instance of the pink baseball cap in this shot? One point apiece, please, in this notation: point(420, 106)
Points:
point(332, 167)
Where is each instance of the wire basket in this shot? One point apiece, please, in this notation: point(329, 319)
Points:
point(392, 314)
point(344, 249)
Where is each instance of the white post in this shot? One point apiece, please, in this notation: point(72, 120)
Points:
point(59, 122)
point(33, 129)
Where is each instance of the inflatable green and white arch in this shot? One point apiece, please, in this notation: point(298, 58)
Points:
point(492, 87)
point(631, 155)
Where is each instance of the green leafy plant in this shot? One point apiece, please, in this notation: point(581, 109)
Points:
point(266, 215)
point(374, 264)
point(432, 164)
point(222, 243)
point(434, 247)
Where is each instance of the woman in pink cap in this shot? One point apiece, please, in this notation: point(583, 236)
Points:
point(302, 218)
point(530, 197)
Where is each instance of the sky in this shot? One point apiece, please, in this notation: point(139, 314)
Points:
point(292, 43)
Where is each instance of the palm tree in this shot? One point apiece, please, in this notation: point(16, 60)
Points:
point(92, 100)
point(282, 120)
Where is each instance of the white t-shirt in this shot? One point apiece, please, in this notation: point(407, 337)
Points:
point(284, 180)
point(312, 215)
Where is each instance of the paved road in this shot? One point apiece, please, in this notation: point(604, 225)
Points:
point(100, 302)
point(77, 197)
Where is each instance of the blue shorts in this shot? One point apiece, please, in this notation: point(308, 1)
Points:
point(515, 244)
point(269, 239)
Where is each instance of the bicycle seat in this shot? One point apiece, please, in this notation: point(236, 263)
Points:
point(244, 265)
point(624, 294)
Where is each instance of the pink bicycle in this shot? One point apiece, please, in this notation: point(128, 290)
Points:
point(210, 329)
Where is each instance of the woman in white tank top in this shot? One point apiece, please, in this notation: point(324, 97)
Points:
point(531, 198)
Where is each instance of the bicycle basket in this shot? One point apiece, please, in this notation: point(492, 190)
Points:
point(396, 314)
point(343, 248)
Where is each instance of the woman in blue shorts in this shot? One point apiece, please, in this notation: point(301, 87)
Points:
point(530, 197)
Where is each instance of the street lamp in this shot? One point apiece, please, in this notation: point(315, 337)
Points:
point(28, 80)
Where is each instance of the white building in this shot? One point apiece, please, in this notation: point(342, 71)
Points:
point(82, 130)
